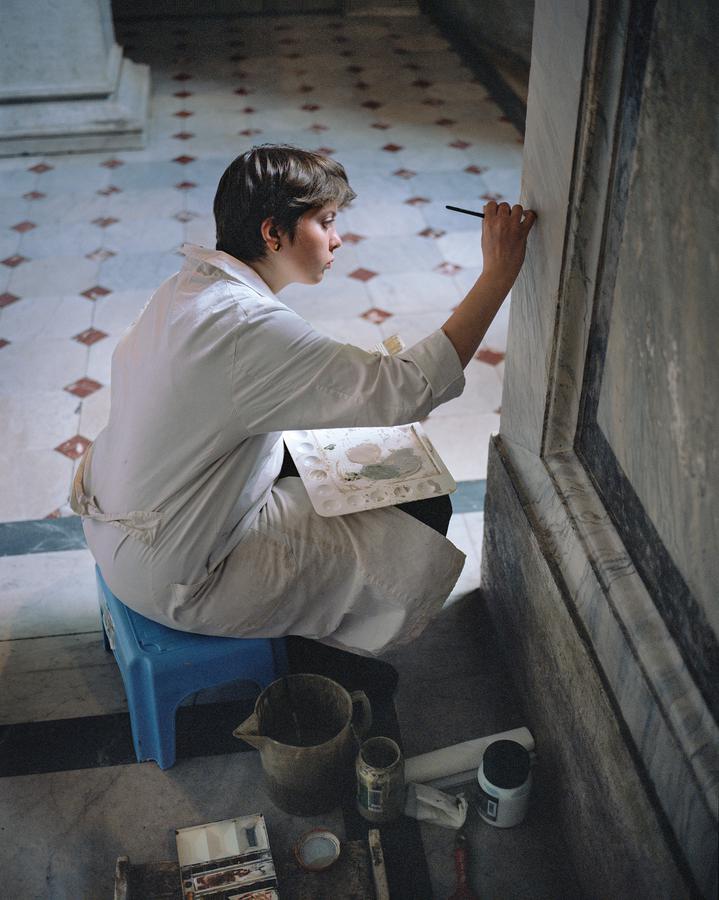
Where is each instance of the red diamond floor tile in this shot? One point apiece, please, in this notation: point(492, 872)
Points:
point(89, 336)
point(40, 168)
point(104, 221)
point(382, 126)
point(476, 170)
point(421, 83)
point(7, 298)
point(447, 268)
point(432, 101)
point(351, 238)
point(392, 148)
point(74, 447)
point(362, 85)
point(185, 185)
point(371, 104)
point(242, 92)
point(404, 173)
point(56, 514)
point(109, 191)
point(183, 114)
point(417, 201)
point(248, 110)
point(185, 216)
point(183, 135)
point(317, 128)
point(305, 89)
point(13, 261)
point(184, 160)
point(34, 195)
point(83, 387)
point(182, 94)
point(22, 227)
point(489, 356)
point(376, 315)
point(100, 255)
point(444, 122)
point(3, 343)
point(355, 70)
point(362, 274)
point(182, 76)
point(496, 197)
point(248, 132)
point(310, 107)
point(432, 232)
point(459, 145)
point(325, 151)
point(112, 163)
point(94, 292)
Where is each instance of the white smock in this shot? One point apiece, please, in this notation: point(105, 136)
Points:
point(181, 502)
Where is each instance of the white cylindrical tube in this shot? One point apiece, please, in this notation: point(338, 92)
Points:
point(460, 757)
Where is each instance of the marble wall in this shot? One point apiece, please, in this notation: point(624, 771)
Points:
point(600, 542)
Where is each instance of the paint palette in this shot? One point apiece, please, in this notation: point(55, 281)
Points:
point(346, 470)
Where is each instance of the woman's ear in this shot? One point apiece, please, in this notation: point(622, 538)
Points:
point(271, 234)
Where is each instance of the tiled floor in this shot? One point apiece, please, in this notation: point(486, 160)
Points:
point(85, 238)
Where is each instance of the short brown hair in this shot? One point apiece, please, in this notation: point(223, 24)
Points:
point(275, 181)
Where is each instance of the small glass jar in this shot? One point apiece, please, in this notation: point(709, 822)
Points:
point(505, 780)
point(380, 780)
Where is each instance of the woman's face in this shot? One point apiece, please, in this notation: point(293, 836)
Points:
point(316, 239)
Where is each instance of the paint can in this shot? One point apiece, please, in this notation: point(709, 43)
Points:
point(380, 780)
point(504, 780)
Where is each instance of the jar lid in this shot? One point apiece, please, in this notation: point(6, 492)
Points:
point(506, 764)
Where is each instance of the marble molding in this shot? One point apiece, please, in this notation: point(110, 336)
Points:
point(631, 679)
point(65, 83)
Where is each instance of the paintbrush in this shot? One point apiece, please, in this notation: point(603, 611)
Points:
point(469, 212)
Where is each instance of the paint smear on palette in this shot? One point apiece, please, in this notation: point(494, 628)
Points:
point(350, 469)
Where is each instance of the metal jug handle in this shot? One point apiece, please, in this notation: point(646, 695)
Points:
point(363, 722)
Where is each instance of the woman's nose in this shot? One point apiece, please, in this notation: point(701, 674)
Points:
point(336, 241)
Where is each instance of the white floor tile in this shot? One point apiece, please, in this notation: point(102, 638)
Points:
point(44, 364)
point(36, 420)
point(51, 316)
point(463, 443)
point(34, 483)
point(61, 677)
point(409, 292)
point(46, 594)
point(115, 312)
point(62, 274)
point(94, 413)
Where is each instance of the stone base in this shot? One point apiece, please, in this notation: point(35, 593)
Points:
point(595, 788)
point(118, 122)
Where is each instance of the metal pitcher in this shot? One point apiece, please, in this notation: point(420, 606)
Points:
point(308, 729)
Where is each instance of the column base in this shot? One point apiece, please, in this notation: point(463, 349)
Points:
point(117, 122)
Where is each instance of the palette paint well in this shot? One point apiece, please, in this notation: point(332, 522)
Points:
point(347, 470)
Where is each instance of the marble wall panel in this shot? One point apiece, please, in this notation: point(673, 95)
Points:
point(660, 375)
point(558, 48)
point(617, 840)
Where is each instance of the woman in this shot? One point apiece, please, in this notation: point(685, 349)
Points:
point(186, 505)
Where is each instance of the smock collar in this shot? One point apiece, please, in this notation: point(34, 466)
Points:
point(235, 268)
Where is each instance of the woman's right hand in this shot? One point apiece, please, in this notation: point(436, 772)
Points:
point(504, 240)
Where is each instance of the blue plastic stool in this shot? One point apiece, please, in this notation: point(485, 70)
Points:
point(161, 666)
